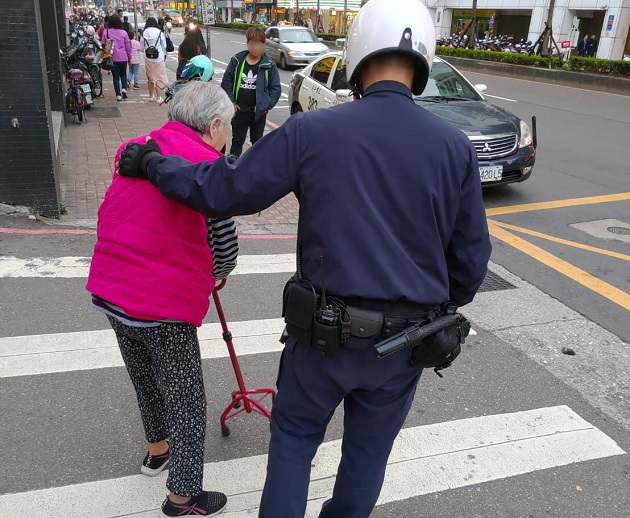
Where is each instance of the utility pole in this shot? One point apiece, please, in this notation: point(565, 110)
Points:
point(473, 23)
point(345, 16)
point(135, 16)
point(546, 45)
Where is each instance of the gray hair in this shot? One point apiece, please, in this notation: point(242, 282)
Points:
point(198, 103)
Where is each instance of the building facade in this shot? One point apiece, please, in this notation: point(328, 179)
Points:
point(608, 20)
point(330, 16)
point(31, 103)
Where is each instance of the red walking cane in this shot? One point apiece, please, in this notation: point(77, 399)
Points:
point(243, 400)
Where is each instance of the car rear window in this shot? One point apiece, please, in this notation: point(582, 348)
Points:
point(298, 36)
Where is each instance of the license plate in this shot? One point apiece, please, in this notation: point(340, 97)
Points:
point(86, 88)
point(491, 174)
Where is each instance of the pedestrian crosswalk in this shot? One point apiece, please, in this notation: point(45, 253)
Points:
point(77, 267)
point(426, 459)
point(84, 350)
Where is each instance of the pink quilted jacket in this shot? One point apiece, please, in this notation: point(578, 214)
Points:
point(152, 256)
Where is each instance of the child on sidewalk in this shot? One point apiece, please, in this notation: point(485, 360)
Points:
point(134, 62)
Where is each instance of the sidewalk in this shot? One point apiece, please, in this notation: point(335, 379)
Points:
point(88, 158)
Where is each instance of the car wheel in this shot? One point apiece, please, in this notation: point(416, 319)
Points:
point(296, 108)
point(283, 62)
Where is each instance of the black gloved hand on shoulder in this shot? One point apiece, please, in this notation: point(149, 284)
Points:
point(135, 158)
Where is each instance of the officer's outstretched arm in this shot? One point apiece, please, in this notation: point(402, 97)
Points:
point(469, 251)
point(264, 174)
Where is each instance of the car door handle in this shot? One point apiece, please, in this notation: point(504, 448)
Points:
point(304, 87)
point(328, 101)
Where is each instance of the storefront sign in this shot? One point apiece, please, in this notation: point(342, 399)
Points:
point(610, 22)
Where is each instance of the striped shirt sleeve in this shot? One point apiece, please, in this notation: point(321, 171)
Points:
point(223, 241)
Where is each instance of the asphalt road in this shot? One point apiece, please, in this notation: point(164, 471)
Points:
point(528, 431)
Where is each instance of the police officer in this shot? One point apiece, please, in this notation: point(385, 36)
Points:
point(391, 222)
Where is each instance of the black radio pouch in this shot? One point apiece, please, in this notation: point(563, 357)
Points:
point(300, 302)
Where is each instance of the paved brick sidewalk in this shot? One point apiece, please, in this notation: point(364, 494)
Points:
point(89, 150)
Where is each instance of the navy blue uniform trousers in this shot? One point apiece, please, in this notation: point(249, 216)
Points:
point(377, 395)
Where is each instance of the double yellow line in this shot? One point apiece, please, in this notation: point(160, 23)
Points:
point(502, 232)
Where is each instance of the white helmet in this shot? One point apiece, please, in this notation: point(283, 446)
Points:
point(89, 30)
point(384, 26)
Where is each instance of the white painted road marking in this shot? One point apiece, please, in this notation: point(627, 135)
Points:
point(78, 267)
point(33, 355)
point(502, 98)
point(84, 350)
point(425, 459)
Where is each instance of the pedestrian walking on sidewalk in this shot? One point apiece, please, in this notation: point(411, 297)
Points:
point(121, 55)
point(102, 27)
point(127, 26)
point(152, 274)
point(192, 45)
point(134, 63)
point(591, 46)
point(253, 84)
point(392, 232)
point(154, 47)
point(582, 46)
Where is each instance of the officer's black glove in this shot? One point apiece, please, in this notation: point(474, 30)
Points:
point(135, 158)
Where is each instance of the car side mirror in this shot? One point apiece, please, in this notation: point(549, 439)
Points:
point(320, 40)
point(275, 40)
point(344, 95)
point(340, 42)
point(481, 88)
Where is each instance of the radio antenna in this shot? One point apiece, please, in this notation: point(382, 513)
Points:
point(323, 304)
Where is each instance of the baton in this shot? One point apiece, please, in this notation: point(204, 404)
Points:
point(414, 335)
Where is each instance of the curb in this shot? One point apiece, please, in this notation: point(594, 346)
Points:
point(600, 83)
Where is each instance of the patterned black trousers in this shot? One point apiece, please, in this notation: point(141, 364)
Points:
point(164, 364)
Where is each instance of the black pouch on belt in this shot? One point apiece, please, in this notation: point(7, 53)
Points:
point(440, 349)
point(299, 304)
point(365, 328)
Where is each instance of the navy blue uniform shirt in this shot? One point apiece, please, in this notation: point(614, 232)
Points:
point(389, 193)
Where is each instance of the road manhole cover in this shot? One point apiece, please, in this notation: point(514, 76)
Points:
point(104, 112)
point(620, 231)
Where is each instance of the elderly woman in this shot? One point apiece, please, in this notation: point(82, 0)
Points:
point(151, 274)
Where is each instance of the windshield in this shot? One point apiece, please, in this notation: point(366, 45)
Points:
point(174, 12)
point(298, 36)
point(446, 83)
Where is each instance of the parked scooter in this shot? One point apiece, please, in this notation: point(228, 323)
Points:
point(80, 86)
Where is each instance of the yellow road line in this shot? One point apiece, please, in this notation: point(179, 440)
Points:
point(561, 241)
point(572, 272)
point(558, 204)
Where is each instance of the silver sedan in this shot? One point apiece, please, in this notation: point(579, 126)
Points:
point(293, 46)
